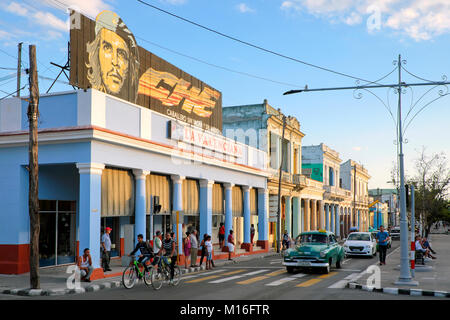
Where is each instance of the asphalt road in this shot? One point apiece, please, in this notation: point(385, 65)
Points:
point(257, 279)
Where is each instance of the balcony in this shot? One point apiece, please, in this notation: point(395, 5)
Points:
point(336, 193)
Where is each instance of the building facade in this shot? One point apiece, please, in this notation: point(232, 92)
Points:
point(106, 162)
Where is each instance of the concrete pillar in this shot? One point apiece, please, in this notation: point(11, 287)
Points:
point(263, 225)
point(90, 208)
point(337, 220)
point(205, 207)
point(247, 222)
point(327, 217)
point(307, 215)
point(177, 205)
point(288, 215)
point(140, 206)
point(296, 216)
point(321, 217)
point(313, 215)
point(228, 210)
point(332, 218)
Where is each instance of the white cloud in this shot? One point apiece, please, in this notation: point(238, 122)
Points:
point(89, 7)
point(244, 8)
point(418, 19)
point(357, 148)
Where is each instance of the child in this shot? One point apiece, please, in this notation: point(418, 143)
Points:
point(209, 249)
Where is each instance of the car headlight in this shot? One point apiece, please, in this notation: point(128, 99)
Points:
point(287, 253)
point(323, 254)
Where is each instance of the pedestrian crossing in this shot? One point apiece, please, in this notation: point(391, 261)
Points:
point(267, 277)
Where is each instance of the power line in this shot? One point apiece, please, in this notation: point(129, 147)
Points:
point(251, 44)
point(13, 92)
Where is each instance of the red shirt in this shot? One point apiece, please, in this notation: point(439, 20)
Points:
point(230, 239)
point(222, 230)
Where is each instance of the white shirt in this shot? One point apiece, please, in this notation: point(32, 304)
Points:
point(194, 242)
point(418, 246)
point(209, 246)
point(156, 245)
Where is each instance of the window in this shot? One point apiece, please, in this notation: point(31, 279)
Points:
point(274, 142)
point(286, 156)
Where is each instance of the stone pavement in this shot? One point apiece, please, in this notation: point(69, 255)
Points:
point(54, 279)
point(433, 278)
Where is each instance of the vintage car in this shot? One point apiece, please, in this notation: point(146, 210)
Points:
point(315, 250)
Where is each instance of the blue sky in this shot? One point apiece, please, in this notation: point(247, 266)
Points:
point(360, 38)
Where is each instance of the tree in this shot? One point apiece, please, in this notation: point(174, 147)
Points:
point(432, 182)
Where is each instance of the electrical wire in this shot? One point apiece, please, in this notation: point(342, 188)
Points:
point(13, 92)
point(251, 44)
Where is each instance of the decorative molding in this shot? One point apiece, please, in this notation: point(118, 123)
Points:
point(204, 183)
point(140, 174)
point(90, 168)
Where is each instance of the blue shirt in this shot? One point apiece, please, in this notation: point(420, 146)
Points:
point(381, 236)
point(107, 241)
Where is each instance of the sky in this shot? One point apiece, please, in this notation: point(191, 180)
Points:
point(357, 38)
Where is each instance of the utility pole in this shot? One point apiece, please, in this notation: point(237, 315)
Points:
point(33, 202)
point(19, 67)
point(405, 277)
point(279, 189)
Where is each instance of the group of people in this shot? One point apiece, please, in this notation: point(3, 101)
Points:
point(422, 245)
point(191, 246)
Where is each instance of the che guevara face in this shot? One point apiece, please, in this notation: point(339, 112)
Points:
point(114, 60)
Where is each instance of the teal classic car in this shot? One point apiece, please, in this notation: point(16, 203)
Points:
point(314, 249)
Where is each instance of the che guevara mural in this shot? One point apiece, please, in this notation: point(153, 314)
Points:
point(105, 56)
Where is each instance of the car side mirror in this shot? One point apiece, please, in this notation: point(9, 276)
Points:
point(344, 239)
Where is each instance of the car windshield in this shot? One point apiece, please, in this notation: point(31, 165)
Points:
point(312, 238)
point(359, 237)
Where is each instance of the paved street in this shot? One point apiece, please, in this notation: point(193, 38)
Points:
point(258, 279)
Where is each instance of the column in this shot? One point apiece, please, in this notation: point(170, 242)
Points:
point(228, 210)
point(306, 220)
point(246, 195)
point(296, 216)
point(139, 212)
point(177, 205)
point(263, 230)
point(359, 220)
point(90, 208)
point(337, 222)
point(321, 224)
point(375, 218)
point(288, 215)
point(332, 218)
point(313, 225)
point(327, 217)
point(206, 207)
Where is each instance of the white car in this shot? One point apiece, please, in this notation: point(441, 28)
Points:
point(360, 244)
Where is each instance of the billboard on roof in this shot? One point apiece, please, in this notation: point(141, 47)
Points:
point(104, 55)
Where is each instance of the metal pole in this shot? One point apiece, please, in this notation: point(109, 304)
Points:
point(413, 233)
point(279, 190)
point(405, 276)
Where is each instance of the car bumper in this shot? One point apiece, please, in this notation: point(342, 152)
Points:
point(358, 253)
point(306, 264)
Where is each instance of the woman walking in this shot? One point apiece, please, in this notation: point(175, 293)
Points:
point(187, 249)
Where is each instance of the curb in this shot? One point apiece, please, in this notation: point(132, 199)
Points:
point(105, 285)
point(399, 291)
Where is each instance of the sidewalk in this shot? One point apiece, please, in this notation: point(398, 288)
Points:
point(433, 278)
point(54, 279)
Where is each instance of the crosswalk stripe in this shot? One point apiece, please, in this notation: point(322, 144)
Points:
point(202, 274)
point(251, 280)
point(275, 273)
point(328, 275)
point(239, 276)
point(284, 280)
point(215, 276)
point(309, 283)
point(339, 285)
point(351, 276)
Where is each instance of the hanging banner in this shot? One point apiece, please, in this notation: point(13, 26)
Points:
point(104, 55)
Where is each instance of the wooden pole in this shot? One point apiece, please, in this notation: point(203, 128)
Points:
point(33, 202)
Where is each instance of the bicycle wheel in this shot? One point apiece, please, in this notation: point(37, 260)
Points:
point(176, 275)
point(156, 278)
point(148, 277)
point(129, 277)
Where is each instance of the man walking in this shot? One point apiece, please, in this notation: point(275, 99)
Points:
point(106, 250)
point(382, 240)
point(194, 248)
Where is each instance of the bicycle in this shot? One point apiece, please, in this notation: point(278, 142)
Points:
point(162, 273)
point(132, 274)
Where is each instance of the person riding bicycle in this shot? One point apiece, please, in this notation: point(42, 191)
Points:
point(145, 249)
point(169, 251)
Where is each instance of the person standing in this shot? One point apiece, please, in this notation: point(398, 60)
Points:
point(252, 233)
point(382, 240)
point(85, 265)
point(106, 250)
point(286, 240)
point(187, 249)
point(221, 235)
point(203, 248)
point(230, 244)
point(194, 248)
point(209, 250)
